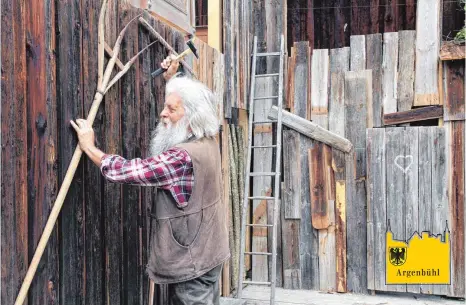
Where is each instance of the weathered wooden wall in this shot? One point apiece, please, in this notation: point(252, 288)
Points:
point(330, 23)
point(97, 253)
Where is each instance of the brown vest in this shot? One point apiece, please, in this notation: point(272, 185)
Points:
point(188, 242)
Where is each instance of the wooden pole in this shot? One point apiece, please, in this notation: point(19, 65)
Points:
point(102, 87)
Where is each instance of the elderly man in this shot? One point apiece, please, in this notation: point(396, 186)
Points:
point(189, 242)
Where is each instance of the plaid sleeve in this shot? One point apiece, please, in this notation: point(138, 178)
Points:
point(165, 171)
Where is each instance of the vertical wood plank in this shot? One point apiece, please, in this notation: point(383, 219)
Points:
point(93, 243)
point(374, 47)
point(358, 52)
point(390, 16)
point(228, 99)
point(395, 171)
point(42, 144)
point(14, 211)
point(389, 72)
point(147, 64)
point(425, 182)
point(405, 79)
point(130, 133)
point(112, 192)
point(292, 183)
point(456, 177)
point(440, 204)
point(360, 17)
point(308, 251)
point(339, 64)
point(427, 49)
point(69, 99)
point(319, 201)
point(358, 91)
point(454, 97)
point(291, 196)
point(342, 17)
point(301, 77)
point(376, 210)
point(411, 186)
point(319, 87)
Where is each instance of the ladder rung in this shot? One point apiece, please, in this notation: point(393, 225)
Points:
point(267, 75)
point(258, 225)
point(258, 253)
point(256, 283)
point(264, 146)
point(262, 174)
point(268, 54)
point(265, 97)
point(261, 198)
point(265, 122)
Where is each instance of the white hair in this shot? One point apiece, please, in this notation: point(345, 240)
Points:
point(199, 103)
point(200, 106)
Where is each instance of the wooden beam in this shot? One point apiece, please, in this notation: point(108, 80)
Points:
point(452, 51)
point(311, 130)
point(215, 25)
point(418, 114)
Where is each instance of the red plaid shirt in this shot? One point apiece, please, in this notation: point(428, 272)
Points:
point(171, 170)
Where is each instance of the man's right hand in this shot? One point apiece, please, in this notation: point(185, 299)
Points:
point(171, 64)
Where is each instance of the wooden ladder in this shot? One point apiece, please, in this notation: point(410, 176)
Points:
point(276, 174)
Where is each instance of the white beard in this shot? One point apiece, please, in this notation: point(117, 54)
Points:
point(167, 136)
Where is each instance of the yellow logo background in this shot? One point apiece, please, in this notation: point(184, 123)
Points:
point(426, 259)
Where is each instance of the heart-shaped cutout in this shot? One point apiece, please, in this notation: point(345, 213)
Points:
point(402, 164)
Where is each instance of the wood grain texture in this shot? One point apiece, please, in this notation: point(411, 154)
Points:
point(389, 72)
point(374, 47)
point(358, 93)
point(69, 99)
point(440, 205)
point(290, 244)
point(358, 52)
point(130, 133)
point(427, 50)
point(410, 187)
point(453, 96)
point(14, 164)
point(319, 87)
point(339, 64)
point(42, 145)
point(376, 209)
point(425, 187)
point(226, 279)
point(451, 51)
point(93, 241)
point(301, 80)
point(456, 175)
point(113, 234)
point(311, 130)
point(291, 166)
point(395, 171)
point(227, 28)
point(417, 114)
point(406, 61)
point(318, 187)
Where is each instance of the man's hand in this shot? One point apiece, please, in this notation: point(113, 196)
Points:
point(85, 134)
point(171, 64)
point(86, 140)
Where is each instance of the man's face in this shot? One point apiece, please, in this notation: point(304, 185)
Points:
point(173, 110)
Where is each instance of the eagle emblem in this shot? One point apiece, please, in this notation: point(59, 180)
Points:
point(398, 256)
